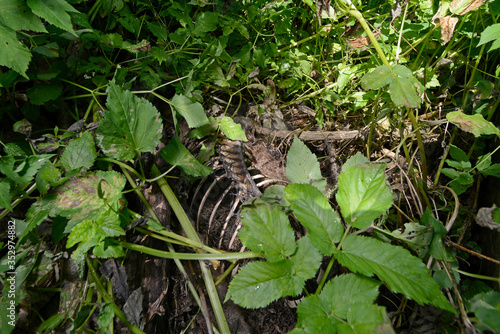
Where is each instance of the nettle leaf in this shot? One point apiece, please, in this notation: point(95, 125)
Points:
point(267, 229)
point(363, 194)
point(394, 265)
point(306, 260)
point(260, 283)
point(22, 173)
point(79, 153)
point(491, 33)
point(231, 129)
point(14, 54)
point(78, 199)
point(313, 211)
point(131, 125)
point(55, 12)
point(177, 155)
point(341, 297)
point(16, 15)
point(48, 176)
point(192, 112)
point(378, 78)
point(302, 166)
point(475, 124)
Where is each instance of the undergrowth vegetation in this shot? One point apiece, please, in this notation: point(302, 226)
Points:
point(89, 89)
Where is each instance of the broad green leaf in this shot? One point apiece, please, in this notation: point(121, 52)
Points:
point(106, 225)
point(55, 12)
point(22, 173)
point(417, 237)
point(402, 71)
point(403, 92)
point(322, 313)
point(394, 265)
point(41, 93)
point(14, 54)
point(16, 15)
point(306, 260)
point(486, 307)
point(231, 129)
point(177, 155)
point(275, 195)
point(266, 229)
point(357, 159)
point(363, 194)
point(475, 124)
point(78, 199)
point(378, 78)
point(313, 211)
point(205, 22)
point(79, 153)
point(493, 170)
point(5, 200)
point(131, 125)
point(192, 112)
point(48, 176)
point(458, 154)
point(302, 166)
point(106, 316)
point(260, 283)
point(82, 232)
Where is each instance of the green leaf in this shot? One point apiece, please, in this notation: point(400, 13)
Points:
point(5, 195)
point(475, 124)
point(22, 173)
point(493, 170)
point(260, 283)
point(192, 112)
point(323, 313)
point(205, 22)
point(79, 153)
point(313, 211)
point(266, 229)
point(491, 33)
point(458, 154)
point(106, 316)
point(177, 155)
point(16, 15)
point(41, 93)
point(231, 129)
point(14, 54)
point(302, 166)
point(131, 125)
point(378, 78)
point(486, 307)
point(48, 176)
point(403, 93)
point(402, 272)
point(107, 225)
point(82, 232)
point(306, 260)
point(437, 249)
point(363, 194)
point(55, 12)
point(77, 199)
point(417, 237)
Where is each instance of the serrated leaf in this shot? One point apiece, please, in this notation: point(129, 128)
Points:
point(205, 22)
point(417, 237)
point(16, 15)
point(306, 260)
point(231, 129)
point(302, 166)
point(41, 93)
point(267, 229)
point(131, 125)
point(475, 124)
point(363, 194)
point(79, 153)
point(192, 112)
point(55, 12)
point(82, 232)
point(5, 196)
point(322, 313)
point(260, 283)
point(14, 54)
point(394, 265)
point(106, 315)
point(403, 92)
point(177, 155)
point(14, 150)
point(313, 211)
point(22, 173)
point(378, 78)
point(77, 199)
point(48, 176)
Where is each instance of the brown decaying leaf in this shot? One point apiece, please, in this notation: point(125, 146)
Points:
point(447, 24)
point(484, 218)
point(473, 5)
point(360, 42)
point(265, 162)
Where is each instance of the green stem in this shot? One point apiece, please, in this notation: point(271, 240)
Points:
point(189, 256)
